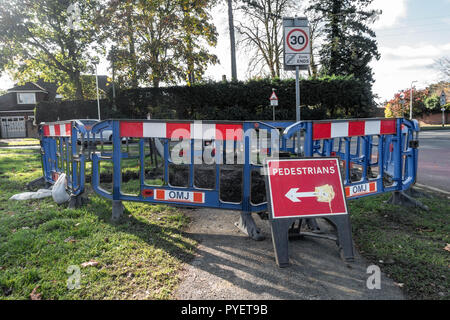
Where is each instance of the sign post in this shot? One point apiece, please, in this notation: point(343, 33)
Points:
point(273, 102)
point(443, 100)
point(306, 188)
point(297, 54)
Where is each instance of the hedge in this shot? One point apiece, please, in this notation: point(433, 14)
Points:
point(330, 97)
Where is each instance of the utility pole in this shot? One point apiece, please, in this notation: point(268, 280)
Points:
point(232, 41)
point(113, 58)
point(96, 84)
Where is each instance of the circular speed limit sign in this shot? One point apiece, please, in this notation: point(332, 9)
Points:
point(297, 40)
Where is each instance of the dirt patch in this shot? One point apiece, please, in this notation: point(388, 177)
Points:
point(229, 265)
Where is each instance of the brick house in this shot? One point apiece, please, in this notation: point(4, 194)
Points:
point(18, 104)
point(17, 107)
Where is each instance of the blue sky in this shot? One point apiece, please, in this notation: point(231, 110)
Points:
point(411, 34)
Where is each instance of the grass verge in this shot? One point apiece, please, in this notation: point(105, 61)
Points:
point(138, 258)
point(435, 127)
point(410, 245)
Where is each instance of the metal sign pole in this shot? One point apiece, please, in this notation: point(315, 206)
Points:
point(297, 103)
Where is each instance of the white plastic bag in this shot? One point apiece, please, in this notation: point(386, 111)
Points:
point(41, 193)
point(59, 192)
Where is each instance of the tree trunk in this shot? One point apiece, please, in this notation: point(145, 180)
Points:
point(75, 77)
point(232, 41)
point(334, 37)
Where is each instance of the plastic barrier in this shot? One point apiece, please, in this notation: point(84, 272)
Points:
point(377, 155)
point(224, 182)
point(62, 151)
point(221, 164)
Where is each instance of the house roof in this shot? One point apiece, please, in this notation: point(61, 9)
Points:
point(29, 86)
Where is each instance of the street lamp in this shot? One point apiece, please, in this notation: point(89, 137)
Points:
point(96, 84)
point(410, 101)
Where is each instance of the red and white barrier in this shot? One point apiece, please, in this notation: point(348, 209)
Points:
point(58, 130)
point(186, 130)
point(328, 130)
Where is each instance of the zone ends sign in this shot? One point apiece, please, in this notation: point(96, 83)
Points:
point(297, 42)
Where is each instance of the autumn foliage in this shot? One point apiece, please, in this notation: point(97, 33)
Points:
point(396, 108)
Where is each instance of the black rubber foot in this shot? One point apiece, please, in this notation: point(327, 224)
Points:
point(77, 201)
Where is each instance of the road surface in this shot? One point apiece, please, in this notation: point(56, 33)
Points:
point(434, 159)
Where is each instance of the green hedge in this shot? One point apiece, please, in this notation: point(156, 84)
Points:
point(75, 109)
point(330, 97)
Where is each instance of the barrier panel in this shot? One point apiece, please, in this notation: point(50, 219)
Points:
point(62, 151)
point(221, 164)
point(377, 155)
point(217, 164)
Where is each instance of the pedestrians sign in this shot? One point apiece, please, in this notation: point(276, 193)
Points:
point(305, 188)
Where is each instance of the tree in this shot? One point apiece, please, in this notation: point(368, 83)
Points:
point(261, 31)
point(349, 44)
point(51, 39)
point(395, 108)
point(160, 41)
point(443, 65)
point(88, 82)
point(432, 103)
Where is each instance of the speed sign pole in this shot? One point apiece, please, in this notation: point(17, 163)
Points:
point(297, 54)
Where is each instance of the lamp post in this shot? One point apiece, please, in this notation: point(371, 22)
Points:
point(96, 84)
point(410, 101)
point(402, 101)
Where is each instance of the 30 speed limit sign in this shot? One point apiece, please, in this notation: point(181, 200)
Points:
point(297, 46)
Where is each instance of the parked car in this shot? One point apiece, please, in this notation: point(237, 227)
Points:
point(106, 135)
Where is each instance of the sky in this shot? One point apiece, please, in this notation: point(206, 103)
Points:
point(411, 34)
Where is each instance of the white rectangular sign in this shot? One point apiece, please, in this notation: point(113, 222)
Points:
point(292, 59)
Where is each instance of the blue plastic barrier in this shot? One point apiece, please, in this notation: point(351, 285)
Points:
point(378, 155)
point(193, 132)
point(60, 153)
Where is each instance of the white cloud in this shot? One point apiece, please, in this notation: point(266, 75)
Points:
point(401, 65)
point(393, 11)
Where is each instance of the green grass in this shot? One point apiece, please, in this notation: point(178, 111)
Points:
point(410, 242)
point(138, 258)
point(19, 142)
point(434, 127)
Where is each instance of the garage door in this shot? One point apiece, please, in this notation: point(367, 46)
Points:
point(13, 127)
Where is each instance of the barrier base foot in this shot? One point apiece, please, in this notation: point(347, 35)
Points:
point(117, 210)
point(36, 183)
point(247, 225)
point(77, 201)
point(344, 236)
point(402, 198)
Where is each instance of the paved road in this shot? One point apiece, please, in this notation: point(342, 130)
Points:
point(434, 159)
point(229, 265)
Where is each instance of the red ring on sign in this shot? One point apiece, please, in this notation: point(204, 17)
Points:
point(306, 37)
